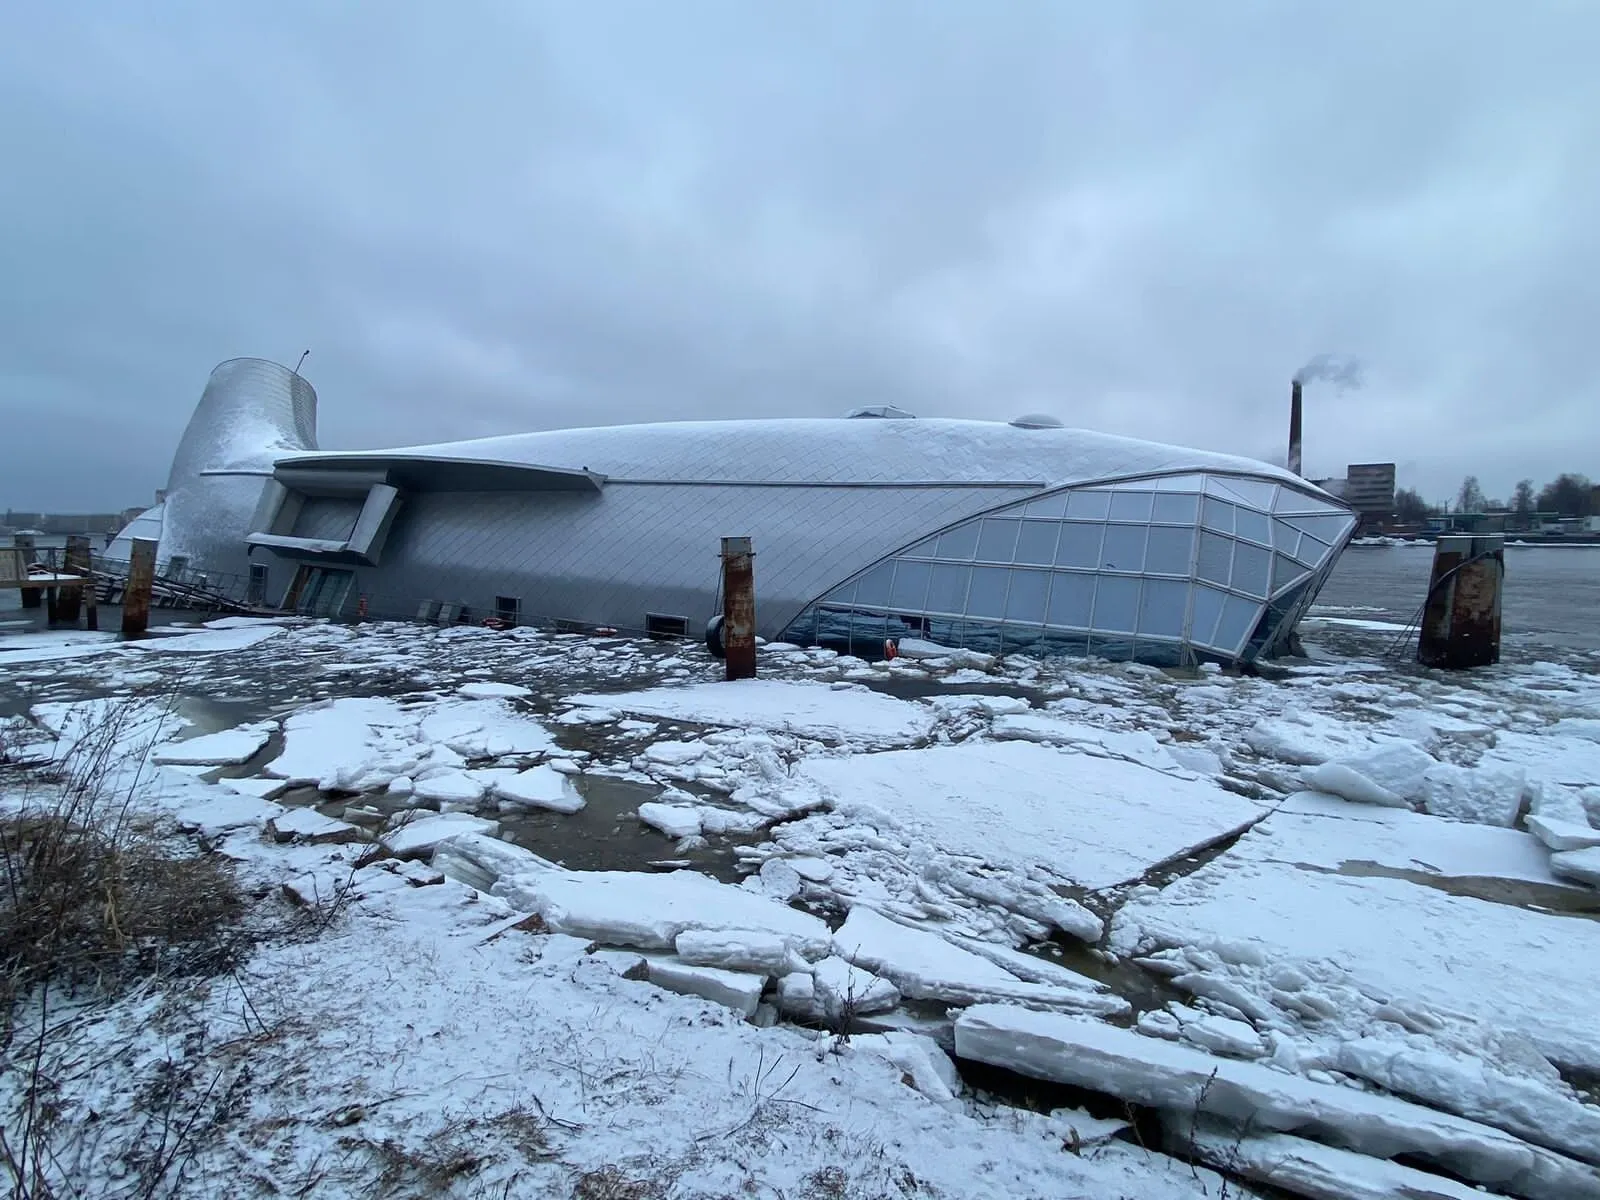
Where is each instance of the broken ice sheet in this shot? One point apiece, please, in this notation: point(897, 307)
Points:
point(1095, 822)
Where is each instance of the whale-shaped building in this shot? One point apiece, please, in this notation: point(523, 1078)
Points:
point(1014, 537)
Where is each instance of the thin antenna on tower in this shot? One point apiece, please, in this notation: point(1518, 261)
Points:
point(301, 363)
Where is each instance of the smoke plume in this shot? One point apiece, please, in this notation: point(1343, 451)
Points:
point(1341, 370)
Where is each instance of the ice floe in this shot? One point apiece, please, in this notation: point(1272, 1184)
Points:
point(540, 787)
point(1179, 1079)
point(650, 911)
point(812, 709)
point(1080, 819)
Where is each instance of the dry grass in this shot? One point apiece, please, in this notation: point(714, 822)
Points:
point(84, 901)
point(613, 1183)
point(93, 898)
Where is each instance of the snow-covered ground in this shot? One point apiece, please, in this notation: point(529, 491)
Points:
point(1305, 924)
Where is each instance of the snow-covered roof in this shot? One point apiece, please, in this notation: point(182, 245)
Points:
point(819, 450)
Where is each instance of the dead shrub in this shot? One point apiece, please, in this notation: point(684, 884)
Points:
point(613, 1183)
point(83, 903)
point(89, 892)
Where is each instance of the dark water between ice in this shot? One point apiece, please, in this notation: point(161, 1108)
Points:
point(1552, 594)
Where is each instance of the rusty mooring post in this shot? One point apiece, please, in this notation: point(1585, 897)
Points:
point(31, 597)
point(738, 608)
point(69, 600)
point(1461, 619)
point(141, 578)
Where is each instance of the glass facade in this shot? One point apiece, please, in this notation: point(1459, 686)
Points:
point(1165, 569)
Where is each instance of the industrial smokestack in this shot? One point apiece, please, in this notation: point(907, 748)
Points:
point(1294, 427)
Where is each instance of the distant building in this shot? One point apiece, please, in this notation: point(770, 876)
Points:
point(1369, 489)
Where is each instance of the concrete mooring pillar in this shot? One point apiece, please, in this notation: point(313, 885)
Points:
point(141, 578)
point(31, 597)
point(77, 561)
point(738, 608)
point(1461, 619)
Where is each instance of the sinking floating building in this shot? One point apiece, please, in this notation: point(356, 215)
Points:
point(1021, 536)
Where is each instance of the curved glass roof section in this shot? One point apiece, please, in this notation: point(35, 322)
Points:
point(1163, 569)
point(834, 451)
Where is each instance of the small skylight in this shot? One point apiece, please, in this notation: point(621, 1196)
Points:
point(1037, 421)
point(887, 412)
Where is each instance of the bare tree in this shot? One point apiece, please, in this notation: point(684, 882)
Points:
point(1522, 498)
point(1569, 495)
point(1410, 508)
point(1470, 498)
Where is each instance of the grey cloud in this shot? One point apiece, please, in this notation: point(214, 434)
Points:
point(488, 217)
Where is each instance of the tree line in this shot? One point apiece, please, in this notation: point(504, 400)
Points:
point(1569, 495)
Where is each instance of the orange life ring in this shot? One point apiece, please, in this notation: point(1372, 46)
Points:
point(891, 649)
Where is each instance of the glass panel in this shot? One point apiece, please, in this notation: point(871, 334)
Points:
point(1311, 552)
point(873, 587)
point(1178, 483)
point(1025, 603)
point(910, 586)
point(998, 541)
point(923, 549)
point(1291, 501)
point(987, 596)
point(844, 594)
point(960, 542)
point(1252, 568)
point(1162, 608)
point(1239, 617)
point(1214, 514)
point(1177, 508)
point(1171, 549)
point(1207, 605)
point(1071, 599)
point(1023, 639)
point(1329, 528)
point(1080, 545)
point(1285, 573)
point(1253, 525)
point(947, 588)
point(1218, 487)
point(1131, 506)
point(1089, 506)
point(1116, 604)
point(1216, 558)
point(1047, 506)
point(1258, 493)
point(1124, 548)
point(1117, 649)
point(1036, 543)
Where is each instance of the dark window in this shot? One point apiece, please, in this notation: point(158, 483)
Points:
point(507, 608)
point(176, 565)
point(320, 591)
point(658, 625)
point(258, 583)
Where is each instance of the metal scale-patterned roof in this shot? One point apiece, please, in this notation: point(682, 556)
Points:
point(831, 451)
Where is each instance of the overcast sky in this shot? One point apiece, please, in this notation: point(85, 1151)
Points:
point(492, 217)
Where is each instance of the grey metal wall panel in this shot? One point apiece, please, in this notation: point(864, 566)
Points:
point(331, 518)
point(608, 559)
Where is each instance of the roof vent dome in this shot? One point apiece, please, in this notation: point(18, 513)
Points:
point(1037, 421)
point(886, 412)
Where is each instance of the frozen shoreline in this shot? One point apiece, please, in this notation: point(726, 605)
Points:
point(1239, 845)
